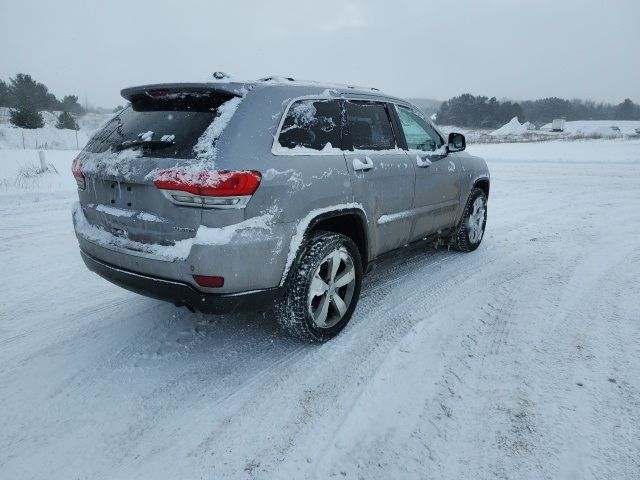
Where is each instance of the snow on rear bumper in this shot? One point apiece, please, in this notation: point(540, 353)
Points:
point(250, 255)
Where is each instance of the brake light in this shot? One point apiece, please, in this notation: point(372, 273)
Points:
point(209, 282)
point(208, 188)
point(78, 174)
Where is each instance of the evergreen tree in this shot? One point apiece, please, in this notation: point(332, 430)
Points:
point(5, 96)
point(478, 112)
point(627, 110)
point(26, 117)
point(65, 120)
point(70, 104)
point(26, 92)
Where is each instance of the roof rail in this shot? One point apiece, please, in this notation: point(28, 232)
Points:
point(280, 78)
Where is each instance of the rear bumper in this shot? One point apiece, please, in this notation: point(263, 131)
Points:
point(182, 294)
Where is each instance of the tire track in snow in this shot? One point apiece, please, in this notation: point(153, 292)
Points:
point(451, 377)
point(218, 402)
point(363, 360)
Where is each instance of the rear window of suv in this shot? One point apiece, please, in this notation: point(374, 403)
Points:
point(177, 120)
point(311, 124)
point(370, 126)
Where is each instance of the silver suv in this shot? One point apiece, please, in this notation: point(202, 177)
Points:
point(230, 196)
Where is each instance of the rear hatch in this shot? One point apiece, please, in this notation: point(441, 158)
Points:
point(157, 131)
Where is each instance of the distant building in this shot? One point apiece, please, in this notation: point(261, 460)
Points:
point(557, 125)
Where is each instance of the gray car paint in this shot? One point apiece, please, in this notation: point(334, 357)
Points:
point(292, 188)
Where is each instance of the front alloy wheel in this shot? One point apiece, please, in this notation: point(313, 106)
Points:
point(470, 230)
point(477, 219)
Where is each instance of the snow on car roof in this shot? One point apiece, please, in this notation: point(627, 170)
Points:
point(226, 83)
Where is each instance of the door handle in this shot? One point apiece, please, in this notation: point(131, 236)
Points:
point(423, 162)
point(359, 165)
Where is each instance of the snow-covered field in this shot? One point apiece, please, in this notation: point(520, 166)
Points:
point(49, 137)
point(602, 127)
point(520, 360)
point(514, 131)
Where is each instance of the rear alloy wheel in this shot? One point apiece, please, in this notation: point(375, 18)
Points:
point(331, 289)
point(324, 289)
point(470, 231)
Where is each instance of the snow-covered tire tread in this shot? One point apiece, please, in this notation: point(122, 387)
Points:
point(460, 239)
point(292, 311)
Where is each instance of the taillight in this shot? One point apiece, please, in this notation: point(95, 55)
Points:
point(78, 174)
point(207, 188)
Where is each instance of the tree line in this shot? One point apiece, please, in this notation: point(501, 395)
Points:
point(27, 98)
point(482, 112)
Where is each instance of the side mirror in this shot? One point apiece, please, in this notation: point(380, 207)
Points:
point(457, 142)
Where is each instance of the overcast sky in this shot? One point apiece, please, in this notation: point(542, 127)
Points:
point(518, 49)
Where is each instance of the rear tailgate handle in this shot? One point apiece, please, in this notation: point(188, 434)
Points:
point(359, 165)
point(423, 162)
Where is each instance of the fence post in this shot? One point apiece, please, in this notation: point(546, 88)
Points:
point(43, 163)
point(23, 147)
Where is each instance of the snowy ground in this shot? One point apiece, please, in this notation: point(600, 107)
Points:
point(518, 361)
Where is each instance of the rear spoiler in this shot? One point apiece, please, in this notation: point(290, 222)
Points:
point(160, 89)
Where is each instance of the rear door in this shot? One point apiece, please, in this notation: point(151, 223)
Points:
point(382, 174)
point(437, 190)
point(120, 163)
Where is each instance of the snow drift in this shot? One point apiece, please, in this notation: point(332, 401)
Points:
point(513, 127)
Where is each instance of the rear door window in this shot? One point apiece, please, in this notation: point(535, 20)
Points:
point(172, 125)
point(311, 124)
point(417, 132)
point(370, 126)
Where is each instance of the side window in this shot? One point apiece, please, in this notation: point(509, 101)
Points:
point(369, 126)
point(417, 132)
point(313, 124)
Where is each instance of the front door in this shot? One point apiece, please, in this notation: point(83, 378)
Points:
point(382, 175)
point(437, 190)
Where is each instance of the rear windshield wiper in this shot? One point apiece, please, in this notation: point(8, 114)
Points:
point(153, 144)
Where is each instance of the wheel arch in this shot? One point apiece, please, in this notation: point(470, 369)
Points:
point(483, 184)
point(350, 221)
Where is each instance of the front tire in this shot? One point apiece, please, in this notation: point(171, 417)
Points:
point(323, 290)
point(470, 230)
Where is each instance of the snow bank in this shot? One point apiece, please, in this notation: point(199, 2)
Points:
point(514, 127)
point(599, 127)
point(582, 151)
point(46, 138)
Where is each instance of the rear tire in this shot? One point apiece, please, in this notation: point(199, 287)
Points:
point(470, 230)
point(323, 291)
